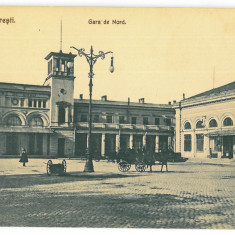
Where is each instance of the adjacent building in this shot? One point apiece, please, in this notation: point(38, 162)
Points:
point(48, 121)
point(205, 124)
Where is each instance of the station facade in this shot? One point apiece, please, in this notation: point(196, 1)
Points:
point(48, 121)
point(205, 124)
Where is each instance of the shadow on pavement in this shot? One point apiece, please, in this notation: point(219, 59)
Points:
point(19, 181)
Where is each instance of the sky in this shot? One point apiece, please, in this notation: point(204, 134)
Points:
point(159, 54)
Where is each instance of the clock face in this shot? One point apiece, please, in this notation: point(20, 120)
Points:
point(63, 91)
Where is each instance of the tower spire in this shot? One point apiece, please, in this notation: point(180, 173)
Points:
point(61, 35)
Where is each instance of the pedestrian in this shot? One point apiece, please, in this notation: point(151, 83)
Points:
point(23, 156)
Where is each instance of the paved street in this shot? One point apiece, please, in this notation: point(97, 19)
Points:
point(194, 194)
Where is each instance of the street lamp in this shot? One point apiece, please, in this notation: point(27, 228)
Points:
point(91, 59)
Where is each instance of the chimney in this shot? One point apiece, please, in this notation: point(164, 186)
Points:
point(141, 100)
point(183, 96)
point(104, 98)
point(174, 101)
point(169, 103)
point(81, 96)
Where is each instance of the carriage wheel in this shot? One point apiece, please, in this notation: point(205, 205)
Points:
point(124, 166)
point(65, 165)
point(49, 163)
point(140, 167)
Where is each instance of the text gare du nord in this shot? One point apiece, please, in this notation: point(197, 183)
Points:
point(90, 21)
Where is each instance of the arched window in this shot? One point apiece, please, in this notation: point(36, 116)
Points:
point(187, 126)
point(228, 122)
point(199, 125)
point(13, 120)
point(36, 121)
point(213, 123)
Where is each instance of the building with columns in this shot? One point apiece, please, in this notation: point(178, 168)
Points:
point(205, 124)
point(48, 121)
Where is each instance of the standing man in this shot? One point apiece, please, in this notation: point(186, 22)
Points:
point(23, 156)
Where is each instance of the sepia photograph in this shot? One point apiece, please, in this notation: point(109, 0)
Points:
point(117, 117)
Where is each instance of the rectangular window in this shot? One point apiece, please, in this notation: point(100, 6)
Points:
point(63, 65)
point(145, 121)
point(157, 121)
point(30, 103)
point(83, 118)
point(121, 119)
point(109, 119)
point(96, 118)
point(22, 102)
point(187, 143)
point(133, 120)
point(39, 104)
point(35, 103)
point(200, 142)
point(49, 66)
point(168, 121)
point(44, 104)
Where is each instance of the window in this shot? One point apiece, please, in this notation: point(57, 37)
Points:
point(61, 117)
point(44, 104)
point(187, 126)
point(96, 118)
point(168, 121)
point(121, 119)
point(22, 102)
point(13, 120)
point(133, 120)
point(63, 65)
point(30, 103)
point(83, 118)
point(36, 121)
point(200, 142)
point(145, 121)
point(39, 104)
point(109, 119)
point(228, 122)
point(199, 125)
point(213, 123)
point(57, 61)
point(157, 121)
point(187, 143)
point(49, 66)
point(35, 103)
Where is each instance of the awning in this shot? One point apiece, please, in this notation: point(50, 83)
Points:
point(18, 129)
point(221, 133)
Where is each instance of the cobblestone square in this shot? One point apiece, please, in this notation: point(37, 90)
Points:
point(194, 194)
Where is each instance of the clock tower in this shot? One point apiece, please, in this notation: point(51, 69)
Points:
point(61, 80)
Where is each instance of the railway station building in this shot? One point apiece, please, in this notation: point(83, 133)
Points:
point(47, 121)
point(205, 124)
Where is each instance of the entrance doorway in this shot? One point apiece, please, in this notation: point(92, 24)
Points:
point(228, 146)
point(11, 144)
point(61, 145)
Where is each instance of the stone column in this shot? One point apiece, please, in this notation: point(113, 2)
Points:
point(144, 140)
point(118, 142)
point(206, 146)
point(193, 144)
point(169, 141)
point(131, 141)
point(56, 115)
point(157, 144)
point(66, 115)
point(103, 144)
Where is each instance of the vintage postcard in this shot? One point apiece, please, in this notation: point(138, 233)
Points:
point(117, 117)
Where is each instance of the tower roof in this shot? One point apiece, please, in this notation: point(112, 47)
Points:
point(60, 54)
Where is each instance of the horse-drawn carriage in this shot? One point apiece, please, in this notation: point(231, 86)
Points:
point(143, 159)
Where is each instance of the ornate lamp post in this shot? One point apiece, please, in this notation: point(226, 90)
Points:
point(91, 59)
